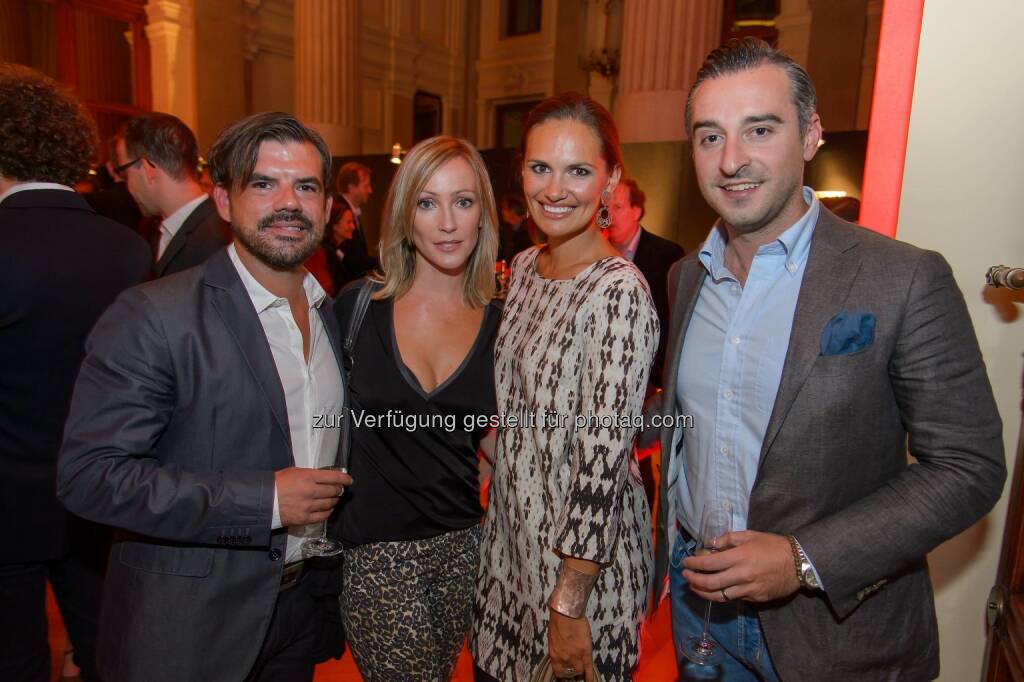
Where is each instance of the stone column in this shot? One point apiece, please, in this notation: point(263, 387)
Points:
point(171, 32)
point(664, 42)
point(327, 71)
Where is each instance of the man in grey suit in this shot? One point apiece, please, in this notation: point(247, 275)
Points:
point(810, 353)
point(192, 430)
point(158, 157)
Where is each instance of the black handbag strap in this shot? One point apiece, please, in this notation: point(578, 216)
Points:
point(358, 313)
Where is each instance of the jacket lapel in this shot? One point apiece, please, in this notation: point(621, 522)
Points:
point(832, 265)
point(177, 243)
point(691, 277)
point(235, 307)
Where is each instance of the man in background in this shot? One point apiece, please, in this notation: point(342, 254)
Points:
point(651, 254)
point(61, 265)
point(353, 188)
point(158, 156)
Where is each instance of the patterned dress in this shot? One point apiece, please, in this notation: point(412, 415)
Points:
point(573, 356)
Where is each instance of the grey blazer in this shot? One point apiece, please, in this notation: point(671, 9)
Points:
point(833, 470)
point(203, 234)
point(177, 426)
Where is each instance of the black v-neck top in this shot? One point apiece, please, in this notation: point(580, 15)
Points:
point(413, 462)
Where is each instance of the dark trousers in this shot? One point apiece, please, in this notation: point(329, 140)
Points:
point(24, 651)
point(288, 649)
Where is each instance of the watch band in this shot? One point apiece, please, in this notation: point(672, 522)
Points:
point(804, 570)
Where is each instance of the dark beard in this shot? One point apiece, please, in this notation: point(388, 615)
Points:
point(277, 256)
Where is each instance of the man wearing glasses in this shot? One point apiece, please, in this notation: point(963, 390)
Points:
point(158, 157)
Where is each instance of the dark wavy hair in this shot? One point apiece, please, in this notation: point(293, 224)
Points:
point(47, 133)
point(233, 154)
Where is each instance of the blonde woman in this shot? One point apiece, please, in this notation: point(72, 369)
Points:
point(422, 386)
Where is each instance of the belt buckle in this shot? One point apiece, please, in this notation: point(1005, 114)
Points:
point(291, 575)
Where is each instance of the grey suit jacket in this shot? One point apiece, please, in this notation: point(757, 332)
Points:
point(177, 425)
point(833, 470)
point(203, 234)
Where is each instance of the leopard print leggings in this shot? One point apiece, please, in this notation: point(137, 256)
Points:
point(407, 605)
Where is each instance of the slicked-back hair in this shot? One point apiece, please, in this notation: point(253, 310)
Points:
point(234, 152)
point(349, 175)
point(47, 133)
point(748, 53)
point(163, 140)
point(573, 106)
point(397, 253)
point(637, 198)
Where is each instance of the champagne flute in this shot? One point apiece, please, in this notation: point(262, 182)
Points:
point(715, 522)
point(323, 545)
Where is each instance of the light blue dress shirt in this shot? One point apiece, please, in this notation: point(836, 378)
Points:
point(731, 366)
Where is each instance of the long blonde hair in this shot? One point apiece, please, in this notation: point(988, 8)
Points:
point(397, 253)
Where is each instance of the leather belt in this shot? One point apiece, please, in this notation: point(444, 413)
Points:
point(292, 575)
point(685, 534)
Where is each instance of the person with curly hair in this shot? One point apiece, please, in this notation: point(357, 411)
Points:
point(49, 303)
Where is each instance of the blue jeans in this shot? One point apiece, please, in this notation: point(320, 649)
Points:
point(734, 627)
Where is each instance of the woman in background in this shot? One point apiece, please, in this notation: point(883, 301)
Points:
point(422, 376)
point(566, 551)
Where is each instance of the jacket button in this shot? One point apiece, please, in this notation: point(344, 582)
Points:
point(275, 554)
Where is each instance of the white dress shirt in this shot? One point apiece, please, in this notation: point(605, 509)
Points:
point(312, 390)
point(21, 187)
point(172, 223)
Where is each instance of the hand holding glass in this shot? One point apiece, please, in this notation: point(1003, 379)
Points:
point(323, 546)
point(715, 522)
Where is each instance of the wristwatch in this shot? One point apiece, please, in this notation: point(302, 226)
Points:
point(804, 570)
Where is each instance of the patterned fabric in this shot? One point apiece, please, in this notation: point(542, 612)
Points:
point(406, 605)
point(572, 357)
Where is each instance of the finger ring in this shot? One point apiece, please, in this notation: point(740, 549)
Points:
point(571, 671)
point(724, 595)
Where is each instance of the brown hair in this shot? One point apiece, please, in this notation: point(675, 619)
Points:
point(740, 55)
point(636, 195)
point(233, 155)
point(165, 141)
point(348, 175)
point(48, 134)
point(576, 107)
point(397, 253)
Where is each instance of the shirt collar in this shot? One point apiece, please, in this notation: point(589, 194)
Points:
point(262, 298)
point(21, 187)
point(629, 250)
point(173, 222)
point(794, 242)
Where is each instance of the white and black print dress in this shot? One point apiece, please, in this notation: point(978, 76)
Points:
point(571, 361)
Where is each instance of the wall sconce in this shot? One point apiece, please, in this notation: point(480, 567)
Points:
point(397, 153)
point(605, 63)
point(830, 194)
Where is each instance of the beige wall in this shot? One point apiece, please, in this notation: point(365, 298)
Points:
point(960, 197)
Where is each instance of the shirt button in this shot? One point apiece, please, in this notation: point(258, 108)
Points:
point(735, 288)
point(724, 450)
point(728, 394)
point(275, 554)
point(791, 267)
point(735, 340)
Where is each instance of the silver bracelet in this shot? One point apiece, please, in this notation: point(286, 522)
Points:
point(572, 591)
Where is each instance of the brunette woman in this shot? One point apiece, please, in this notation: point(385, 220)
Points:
point(422, 378)
point(566, 551)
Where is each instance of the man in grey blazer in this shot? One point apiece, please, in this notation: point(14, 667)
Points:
point(810, 353)
point(192, 431)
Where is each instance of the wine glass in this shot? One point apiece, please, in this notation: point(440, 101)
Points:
point(323, 545)
point(715, 522)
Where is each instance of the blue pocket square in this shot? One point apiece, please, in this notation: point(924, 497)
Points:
point(848, 332)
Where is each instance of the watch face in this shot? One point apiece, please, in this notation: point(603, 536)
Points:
point(809, 576)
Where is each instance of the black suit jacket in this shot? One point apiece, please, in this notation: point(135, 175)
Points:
point(201, 235)
point(177, 426)
point(61, 265)
point(357, 262)
point(654, 256)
